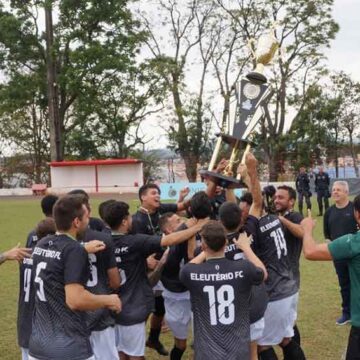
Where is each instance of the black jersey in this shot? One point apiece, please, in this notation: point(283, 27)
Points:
point(96, 224)
point(144, 223)
point(26, 296)
point(216, 202)
point(177, 258)
point(294, 245)
point(58, 333)
point(135, 292)
point(339, 222)
point(270, 246)
point(258, 298)
point(98, 283)
point(219, 294)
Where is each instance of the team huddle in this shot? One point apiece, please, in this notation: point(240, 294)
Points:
point(227, 268)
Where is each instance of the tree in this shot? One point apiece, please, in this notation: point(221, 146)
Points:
point(188, 23)
point(349, 109)
point(24, 119)
point(91, 41)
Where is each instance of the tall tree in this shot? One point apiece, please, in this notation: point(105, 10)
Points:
point(91, 41)
point(188, 23)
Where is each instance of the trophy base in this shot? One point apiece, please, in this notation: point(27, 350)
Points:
point(223, 180)
point(256, 77)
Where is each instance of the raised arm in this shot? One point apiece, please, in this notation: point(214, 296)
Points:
point(244, 244)
point(251, 165)
point(312, 250)
point(181, 236)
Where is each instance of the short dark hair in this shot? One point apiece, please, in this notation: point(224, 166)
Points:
point(356, 203)
point(84, 194)
point(230, 215)
point(200, 205)
point(115, 213)
point(103, 206)
point(67, 209)
point(213, 234)
point(291, 191)
point(45, 227)
point(164, 219)
point(247, 197)
point(143, 189)
point(47, 204)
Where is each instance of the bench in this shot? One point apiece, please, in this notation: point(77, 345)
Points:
point(39, 189)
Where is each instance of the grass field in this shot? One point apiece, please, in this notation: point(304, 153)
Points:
point(319, 297)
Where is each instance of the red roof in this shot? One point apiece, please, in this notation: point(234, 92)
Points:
point(95, 162)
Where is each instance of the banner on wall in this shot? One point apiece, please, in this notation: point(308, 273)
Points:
point(171, 191)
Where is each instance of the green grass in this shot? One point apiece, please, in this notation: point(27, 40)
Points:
point(319, 297)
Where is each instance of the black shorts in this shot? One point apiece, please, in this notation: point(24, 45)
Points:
point(353, 350)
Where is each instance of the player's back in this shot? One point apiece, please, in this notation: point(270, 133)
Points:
point(98, 282)
point(26, 301)
point(219, 292)
point(136, 294)
point(270, 246)
point(58, 333)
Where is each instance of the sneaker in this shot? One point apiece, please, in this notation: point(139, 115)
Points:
point(344, 319)
point(158, 346)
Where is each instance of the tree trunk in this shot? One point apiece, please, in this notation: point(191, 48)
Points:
point(191, 161)
point(353, 155)
point(56, 153)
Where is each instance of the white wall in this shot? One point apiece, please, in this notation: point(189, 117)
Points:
point(110, 177)
point(73, 176)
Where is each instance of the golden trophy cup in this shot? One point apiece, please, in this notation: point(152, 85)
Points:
point(264, 52)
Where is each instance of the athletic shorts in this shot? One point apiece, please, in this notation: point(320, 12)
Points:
point(178, 316)
point(24, 354)
point(103, 344)
point(131, 339)
point(280, 317)
point(257, 329)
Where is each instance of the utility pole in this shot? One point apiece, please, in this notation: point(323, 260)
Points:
point(52, 88)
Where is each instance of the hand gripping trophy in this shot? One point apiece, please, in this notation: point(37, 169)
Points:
point(252, 92)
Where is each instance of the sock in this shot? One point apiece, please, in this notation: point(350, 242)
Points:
point(154, 335)
point(296, 336)
point(293, 351)
point(176, 353)
point(268, 354)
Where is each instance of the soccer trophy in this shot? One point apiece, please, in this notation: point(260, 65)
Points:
point(252, 93)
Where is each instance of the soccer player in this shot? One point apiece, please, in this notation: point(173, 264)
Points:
point(104, 276)
point(302, 182)
point(131, 251)
point(235, 221)
point(284, 202)
point(26, 300)
point(219, 292)
point(345, 248)
point(61, 271)
point(280, 316)
point(101, 210)
point(339, 220)
point(322, 183)
point(146, 221)
point(94, 223)
point(176, 296)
